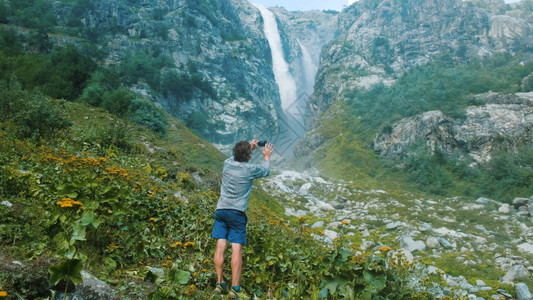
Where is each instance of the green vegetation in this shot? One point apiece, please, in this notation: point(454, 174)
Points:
point(113, 201)
point(34, 115)
point(444, 85)
point(72, 71)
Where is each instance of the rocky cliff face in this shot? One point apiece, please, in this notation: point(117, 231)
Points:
point(380, 40)
point(230, 54)
point(505, 122)
point(223, 41)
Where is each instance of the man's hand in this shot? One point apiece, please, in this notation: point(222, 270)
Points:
point(267, 151)
point(253, 143)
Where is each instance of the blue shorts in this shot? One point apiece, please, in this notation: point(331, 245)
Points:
point(230, 225)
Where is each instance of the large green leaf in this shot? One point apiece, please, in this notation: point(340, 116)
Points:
point(70, 191)
point(333, 284)
point(79, 232)
point(67, 270)
point(182, 277)
point(89, 217)
point(378, 282)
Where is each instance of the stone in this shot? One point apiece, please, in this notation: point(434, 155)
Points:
point(523, 211)
point(484, 288)
point(425, 227)
point(526, 248)
point(480, 283)
point(504, 293)
point(522, 291)
point(432, 242)
point(518, 202)
point(394, 225)
point(516, 272)
point(504, 208)
point(289, 211)
point(445, 243)
point(18, 263)
point(330, 234)
point(365, 245)
point(411, 245)
point(96, 286)
point(318, 224)
point(90, 288)
point(304, 189)
point(482, 200)
point(6, 203)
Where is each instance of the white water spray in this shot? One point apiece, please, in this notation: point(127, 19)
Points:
point(284, 79)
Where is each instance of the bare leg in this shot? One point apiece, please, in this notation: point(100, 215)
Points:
point(236, 264)
point(219, 258)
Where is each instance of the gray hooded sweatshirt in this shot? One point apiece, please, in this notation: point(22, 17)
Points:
point(237, 180)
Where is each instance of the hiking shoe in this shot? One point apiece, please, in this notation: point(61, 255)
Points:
point(237, 295)
point(221, 290)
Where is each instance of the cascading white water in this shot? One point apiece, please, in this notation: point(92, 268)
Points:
point(310, 69)
point(282, 74)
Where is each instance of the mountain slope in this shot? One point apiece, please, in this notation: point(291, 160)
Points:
point(393, 60)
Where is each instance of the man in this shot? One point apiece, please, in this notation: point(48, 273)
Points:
point(230, 216)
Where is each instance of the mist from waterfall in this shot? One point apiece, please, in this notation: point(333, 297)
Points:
point(280, 67)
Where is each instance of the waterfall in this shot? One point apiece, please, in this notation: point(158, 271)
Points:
point(310, 69)
point(292, 121)
point(282, 74)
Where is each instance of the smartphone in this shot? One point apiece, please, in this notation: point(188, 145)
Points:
point(261, 143)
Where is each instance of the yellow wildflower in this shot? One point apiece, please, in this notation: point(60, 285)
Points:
point(204, 270)
point(206, 261)
point(189, 244)
point(152, 219)
point(345, 222)
point(168, 263)
point(384, 249)
point(194, 274)
point(3, 294)
point(67, 202)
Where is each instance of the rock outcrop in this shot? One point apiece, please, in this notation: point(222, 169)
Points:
point(506, 122)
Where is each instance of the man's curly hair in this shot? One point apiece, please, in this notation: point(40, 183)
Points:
point(242, 151)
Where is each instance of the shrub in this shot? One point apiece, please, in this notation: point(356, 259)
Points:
point(118, 101)
point(35, 115)
point(72, 70)
point(99, 87)
point(144, 112)
point(139, 66)
point(508, 175)
point(37, 14)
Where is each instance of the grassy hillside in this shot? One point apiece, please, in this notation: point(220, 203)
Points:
point(94, 191)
